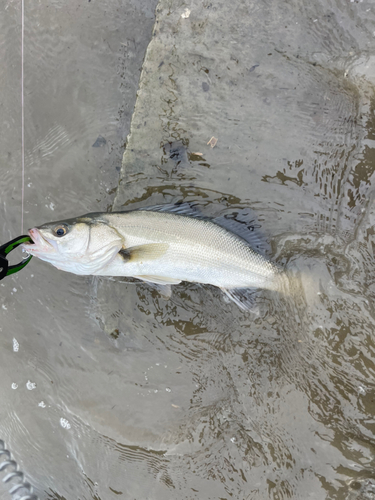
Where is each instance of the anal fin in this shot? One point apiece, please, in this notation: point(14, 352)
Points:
point(244, 297)
point(162, 283)
point(158, 280)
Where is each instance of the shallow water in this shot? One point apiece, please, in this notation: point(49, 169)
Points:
point(190, 397)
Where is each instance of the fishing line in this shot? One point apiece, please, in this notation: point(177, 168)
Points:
point(22, 115)
point(21, 489)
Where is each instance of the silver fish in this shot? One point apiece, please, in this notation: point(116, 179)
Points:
point(164, 245)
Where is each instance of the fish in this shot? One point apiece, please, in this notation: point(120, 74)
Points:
point(163, 245)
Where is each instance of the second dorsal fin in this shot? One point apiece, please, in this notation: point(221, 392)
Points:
point(245, 224)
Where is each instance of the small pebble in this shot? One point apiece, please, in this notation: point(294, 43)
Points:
point(186, 14)
point(65, 423)
point(16, 345)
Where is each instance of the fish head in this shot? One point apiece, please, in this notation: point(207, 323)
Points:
point(84, 245)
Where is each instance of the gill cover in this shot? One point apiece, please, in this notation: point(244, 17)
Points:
point(80, 246)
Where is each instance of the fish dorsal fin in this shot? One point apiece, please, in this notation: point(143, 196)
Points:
point(150, 251)
point(245, 225)
point(187, 209)
point(159, 280)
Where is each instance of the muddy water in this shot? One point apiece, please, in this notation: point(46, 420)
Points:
point(189, 397)
point(82, 67)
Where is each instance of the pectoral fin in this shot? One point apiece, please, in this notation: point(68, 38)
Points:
point(150, 251)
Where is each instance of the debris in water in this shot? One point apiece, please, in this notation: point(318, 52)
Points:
point(30, 385)
point(65, 423)
point(177, 152)
point(362, 390)
point(16, 345)
point(185, 14)
point(212, 142)
point(100, 141)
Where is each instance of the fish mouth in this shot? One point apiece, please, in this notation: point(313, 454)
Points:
point(39, 244)
point(31, 234)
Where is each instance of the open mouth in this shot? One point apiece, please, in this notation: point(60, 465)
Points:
point(37, 243)
point(32, 233)
point(32, 242)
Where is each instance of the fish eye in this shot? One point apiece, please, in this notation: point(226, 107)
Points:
point(60, 230)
